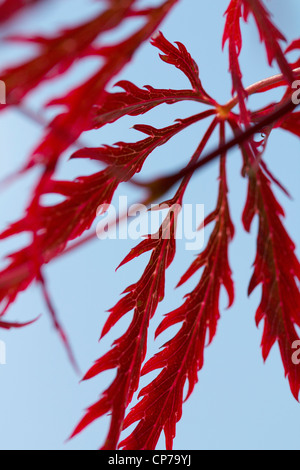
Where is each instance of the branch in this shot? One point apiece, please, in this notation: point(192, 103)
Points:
point(258, 87)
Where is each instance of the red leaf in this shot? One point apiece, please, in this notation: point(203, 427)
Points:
point(59, 224)
point(135, 101)
point(10, 325)
point(59, 52)
point(292, 123)
point(277, 270)
point(181, 58)
point(55, 226)
point(9, 8)
point(66, 128)
point(293, 46)
point(126, 155)
point(271, 36)
point(128, 352)
point(182, 357)
point(232, 34)
point(90, 106)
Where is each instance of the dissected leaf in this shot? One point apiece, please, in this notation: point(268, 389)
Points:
point(53, 227)
point(67, 127)
point(182, 357)
point(232, 33)
point(181, 58)
point(292, 123)
point(59, 52)
point(63, 222)
point(135, 101)
point(9, 325)
point(271, 36)
point(9, 8)
point(277, 270)
point(128, 352)
point(144, 302)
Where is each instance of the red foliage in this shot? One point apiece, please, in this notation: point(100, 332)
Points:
point(277, 269)
point(92, 106)
point(292, 123)
point(232, 33)
point(9, 8)
point(271, 36)
point(129, 351)
point(182, 357)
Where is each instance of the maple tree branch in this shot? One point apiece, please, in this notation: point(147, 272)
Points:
point(259, 87)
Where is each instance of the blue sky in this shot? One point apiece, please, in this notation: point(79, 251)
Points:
point(239, 403)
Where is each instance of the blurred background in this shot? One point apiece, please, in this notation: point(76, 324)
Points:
point(239, 403)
